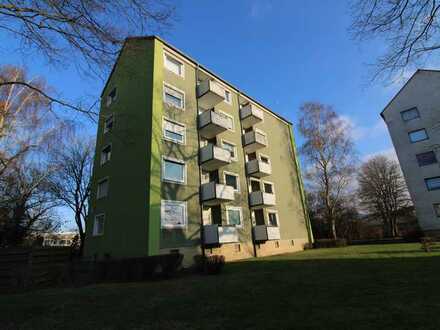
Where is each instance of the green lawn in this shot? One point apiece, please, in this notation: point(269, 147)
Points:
point(393, 286)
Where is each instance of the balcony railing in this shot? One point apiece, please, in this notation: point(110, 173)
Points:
point(215, 234)
point(258, 169)
point(250, 115)
point(266, 233)
point(260, 198)
point(212, 123)
point(210, 93)
point(253, 141)
point(212, 193)
point(212, 157)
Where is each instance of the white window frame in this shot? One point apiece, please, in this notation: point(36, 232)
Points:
point(182, 64)
point(232, 174)
point(230, 116)
point(165, 86)
point(408, 110)
point(97, 188)
point(234, 208)
point(263, 155)
point(277, 216)
point(230, 96)
point(418, 130)
point(268, 182)
point(250, 184)
point(174, 160)
point(437, 214)
point(235, 158)
point(165, 119)
point(162, 216)
point(94, 229)
point(109, 100)
point(112, 117)
point(101, 160)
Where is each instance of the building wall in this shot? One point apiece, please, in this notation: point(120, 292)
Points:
point(422, 91)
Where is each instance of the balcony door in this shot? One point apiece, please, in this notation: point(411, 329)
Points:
point(259, 217)
point(214, 177)
point(216, 215)
point(255, 185)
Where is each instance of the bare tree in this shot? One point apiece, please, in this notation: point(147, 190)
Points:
point(90, 31)
point(411, 29)
point(70, 183)
point(330, 157)
point(383, 192)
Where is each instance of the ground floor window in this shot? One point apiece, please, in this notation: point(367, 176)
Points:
point(98, 225)
point(273, 218)
point(234, 215)
point(173, 214)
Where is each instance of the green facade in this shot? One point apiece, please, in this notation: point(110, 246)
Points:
point(132, 207)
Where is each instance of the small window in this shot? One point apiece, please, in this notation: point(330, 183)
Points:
point(174, 97)
point(98, 225)
point(108, 124)
point(173, 170)
point(233, 215)
point(433, 183)
point(228, 97)
point(410, 114)
point(111, 98)
point(264, 159)
point(106, 153)
point(174, 65)
point(273, 219)
point(173, 214)
point(418, 135)
point(426, 158)
point(436, 209)
point(102, 190)
point(268, 187)
point(231, 148)
point(232, 180)
point(173, 131)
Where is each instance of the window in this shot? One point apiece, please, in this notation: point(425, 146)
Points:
point(231, 179)
point(174, 97)
point(273, 218)
point(102, 190)
point(418, 135)
point(433, 183)
point(268, 187)
point(173, 170)
point(174, 65)
point(108, 124)
point(233, 215)
point(173, 131)
point(231, 148)
point(173, 214)
point(106, 154)
point(436, 209)
point(410, 114)
point(111, 97)
point(98, 225)
point(426, 158)
point(228, 97)
point(264, 159)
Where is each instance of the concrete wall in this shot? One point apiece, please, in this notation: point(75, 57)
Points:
point(423, 92)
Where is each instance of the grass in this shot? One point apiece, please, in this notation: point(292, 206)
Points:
point(392, 286)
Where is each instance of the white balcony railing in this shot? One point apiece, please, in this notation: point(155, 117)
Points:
point(212, 123)
point(214, 193)
point(212, 157)
point(254, 140)
point(260, 198)
point(273, 232)
point(215, 234)
point(258, 168)
point(250, 115)
point(264, 233)
point(210, 93)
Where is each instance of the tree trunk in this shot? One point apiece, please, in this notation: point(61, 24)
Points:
point(333, 228)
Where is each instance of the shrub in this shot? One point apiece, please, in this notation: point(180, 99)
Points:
point(330, 243)
point(210, 265)
point(308, 246)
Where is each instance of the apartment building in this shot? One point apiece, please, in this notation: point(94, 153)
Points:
point(413, 120)
point(187, 162)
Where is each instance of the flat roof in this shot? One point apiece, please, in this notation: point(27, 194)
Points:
point(152, 37)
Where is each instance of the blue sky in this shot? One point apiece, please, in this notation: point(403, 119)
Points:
point(282, 53)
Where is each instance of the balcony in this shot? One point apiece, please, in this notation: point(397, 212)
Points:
point(215, 234)
point(209, 94)
point(264, 233)
point(250, 115)
point(212, 157)
point(260, 198)
point(253, 141)
point(212, 123)
point(258, 169)
point(212, 193)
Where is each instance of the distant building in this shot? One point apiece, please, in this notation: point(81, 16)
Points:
point(58, 239)
point(187, 162)
point(413, 120)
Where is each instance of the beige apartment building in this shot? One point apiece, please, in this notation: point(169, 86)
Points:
point(413, 120)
